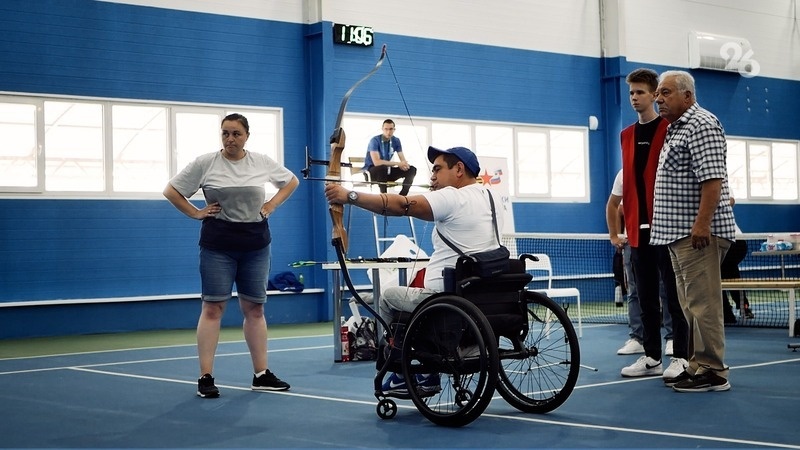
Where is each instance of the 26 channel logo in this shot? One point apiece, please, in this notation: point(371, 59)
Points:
point(731, 52)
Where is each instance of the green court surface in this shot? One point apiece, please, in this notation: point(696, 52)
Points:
point(16, 348)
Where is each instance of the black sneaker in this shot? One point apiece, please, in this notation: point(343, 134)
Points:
point(206, 387)
point(684, 375)
point(269, 382)
point(705, 382)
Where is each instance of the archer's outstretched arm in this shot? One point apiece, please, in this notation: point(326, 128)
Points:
point(384, 204)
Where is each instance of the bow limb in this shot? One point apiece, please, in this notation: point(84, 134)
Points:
point(343, 106)
point(337, 142)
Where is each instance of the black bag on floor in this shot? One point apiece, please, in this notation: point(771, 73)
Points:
point(363, 343)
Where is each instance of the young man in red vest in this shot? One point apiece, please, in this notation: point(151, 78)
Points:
point(641, 144)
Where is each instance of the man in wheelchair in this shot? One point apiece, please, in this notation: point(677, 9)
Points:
point(463, 215)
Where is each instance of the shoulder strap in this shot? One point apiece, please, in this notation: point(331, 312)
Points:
point(494, 223)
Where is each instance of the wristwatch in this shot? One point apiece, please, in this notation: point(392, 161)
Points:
point(352, 197)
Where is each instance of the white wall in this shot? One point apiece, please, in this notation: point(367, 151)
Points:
point(280, 10)
point(569, 27)
point(647, 31)
point(657, 31)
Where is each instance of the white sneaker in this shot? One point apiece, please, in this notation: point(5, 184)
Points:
point(631, 347)
point(645, 366)
point(676, 366)
point(668, 348)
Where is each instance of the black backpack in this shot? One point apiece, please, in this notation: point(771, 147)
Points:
point(363, 343)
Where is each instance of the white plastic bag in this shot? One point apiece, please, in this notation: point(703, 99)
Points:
point(402, 247)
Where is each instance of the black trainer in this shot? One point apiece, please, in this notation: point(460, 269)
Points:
point(206, 387)
point(269, 382)
point(705, 382)
point(684, 375)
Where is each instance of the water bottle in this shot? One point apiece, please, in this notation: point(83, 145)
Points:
point(301, 279)
point(345, 341)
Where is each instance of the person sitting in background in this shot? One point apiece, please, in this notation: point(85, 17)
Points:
point(730, 271)
point(378, 162)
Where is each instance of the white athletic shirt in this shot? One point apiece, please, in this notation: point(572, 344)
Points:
point(464, 217)
point(616, 189)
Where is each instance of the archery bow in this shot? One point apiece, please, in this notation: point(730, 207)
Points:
point(339, 240)
point(337, 142)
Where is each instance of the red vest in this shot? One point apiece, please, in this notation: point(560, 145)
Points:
point(630, 195)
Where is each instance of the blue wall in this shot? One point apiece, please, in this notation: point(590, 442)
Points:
point(74, 249)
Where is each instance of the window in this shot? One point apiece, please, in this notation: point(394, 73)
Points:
point(761, 170)
point(93, 147)
point(18, 160)
point(73, 143)
point(141, 146)
point(545, 163)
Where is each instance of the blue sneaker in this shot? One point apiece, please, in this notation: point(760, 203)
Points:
point(395, 385)
point(428, 383)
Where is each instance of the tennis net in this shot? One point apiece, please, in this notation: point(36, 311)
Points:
point(585, 262)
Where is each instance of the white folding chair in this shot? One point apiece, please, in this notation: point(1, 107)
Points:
point(359, 178)
point(544, 265)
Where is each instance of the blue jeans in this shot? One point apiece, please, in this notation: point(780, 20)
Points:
point(249, 270)
point(666, 318)
point(635, 310)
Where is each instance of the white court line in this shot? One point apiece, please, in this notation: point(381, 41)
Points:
point(647, 432)
point(659, 378)
point(141, 361)
point(236, 388)
point(494, 416)
point(156, 347)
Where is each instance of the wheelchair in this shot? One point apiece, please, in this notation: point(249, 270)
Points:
point(487, 335)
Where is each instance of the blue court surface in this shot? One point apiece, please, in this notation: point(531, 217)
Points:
point(145, 398)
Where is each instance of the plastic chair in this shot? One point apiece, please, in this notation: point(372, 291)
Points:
point(357, 172)
point(544, 265)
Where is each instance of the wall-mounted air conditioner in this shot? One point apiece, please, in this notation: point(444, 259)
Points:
point(718, 52)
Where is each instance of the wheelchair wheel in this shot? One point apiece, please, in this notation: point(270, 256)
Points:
point(539, 368)
point(450, 361)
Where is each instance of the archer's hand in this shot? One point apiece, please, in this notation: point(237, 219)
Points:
point(336, 193)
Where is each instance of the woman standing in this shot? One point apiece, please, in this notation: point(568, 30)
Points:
point(234, 243)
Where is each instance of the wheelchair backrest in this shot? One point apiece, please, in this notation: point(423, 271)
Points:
point(495, 295)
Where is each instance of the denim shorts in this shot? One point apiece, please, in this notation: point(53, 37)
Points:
point(248, 269)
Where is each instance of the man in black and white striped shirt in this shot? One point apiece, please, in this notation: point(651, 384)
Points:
point(693, 216)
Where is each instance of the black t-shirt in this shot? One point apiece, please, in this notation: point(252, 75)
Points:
point(644, 133)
